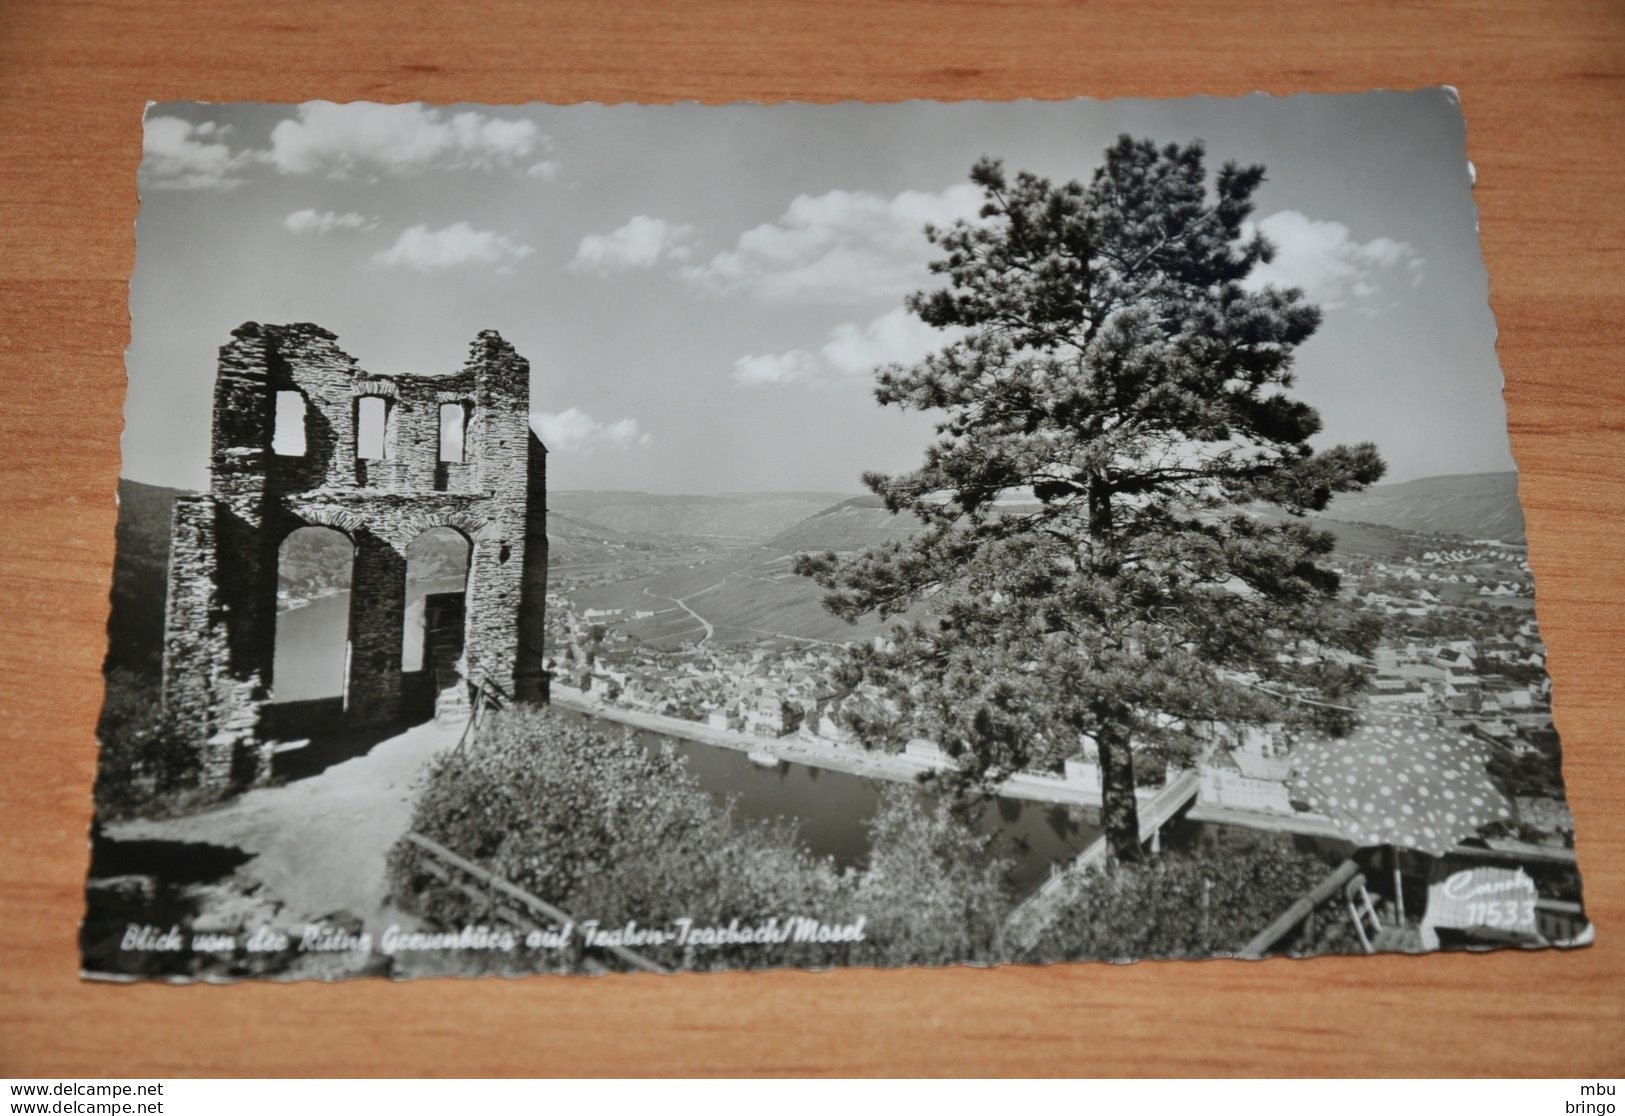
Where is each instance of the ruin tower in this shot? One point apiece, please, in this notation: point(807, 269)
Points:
point(381, 461)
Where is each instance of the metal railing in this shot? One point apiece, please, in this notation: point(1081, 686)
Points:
point(487, 695)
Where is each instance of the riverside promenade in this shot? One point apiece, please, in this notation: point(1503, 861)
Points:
point(894, 767)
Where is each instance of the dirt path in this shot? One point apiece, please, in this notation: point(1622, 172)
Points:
point(319, 844)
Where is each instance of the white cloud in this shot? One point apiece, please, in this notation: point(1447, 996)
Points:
point(845, 246)
point(792, 367)
point(639, 244)
point(575, 431)
point(308, 222)
point(544, 169)
point(896, 337)
point(459, 245)
point(1325, 260)
point(179, 155)
point(347, 139)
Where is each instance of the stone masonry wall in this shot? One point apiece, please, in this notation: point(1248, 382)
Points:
point(221, 606)
point(193, 641)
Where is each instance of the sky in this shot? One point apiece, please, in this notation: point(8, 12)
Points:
point(703, 292)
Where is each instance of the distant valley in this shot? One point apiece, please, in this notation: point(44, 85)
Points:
point(727, 518)
point(644, 551)
point(751, 593)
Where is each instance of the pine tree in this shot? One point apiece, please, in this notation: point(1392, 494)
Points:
point(1113, 544)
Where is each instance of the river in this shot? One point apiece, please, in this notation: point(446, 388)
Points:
point(833, 808)
point(310, 642)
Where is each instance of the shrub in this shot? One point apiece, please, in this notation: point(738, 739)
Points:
point(1189, 905)
point(143, 764)
point(610, 829)
point(613, 830)
point(931, 894)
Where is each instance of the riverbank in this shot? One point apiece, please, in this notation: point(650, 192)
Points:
point(893, 767)
point(903, 768)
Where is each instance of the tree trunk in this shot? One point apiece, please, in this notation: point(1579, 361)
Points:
point(1119, 810)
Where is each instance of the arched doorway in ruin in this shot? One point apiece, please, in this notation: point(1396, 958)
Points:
point(434, 636)
point(310, 661)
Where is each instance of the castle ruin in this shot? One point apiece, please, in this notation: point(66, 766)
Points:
point(303, 437)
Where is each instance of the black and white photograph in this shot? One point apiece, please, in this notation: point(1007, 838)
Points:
point(568, 539)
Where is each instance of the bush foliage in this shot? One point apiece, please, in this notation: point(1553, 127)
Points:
point(610, 829)
point(143, 766)
point(614, 830)
point(1188, 905)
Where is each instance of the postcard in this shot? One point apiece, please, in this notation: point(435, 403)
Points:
point(596, 538)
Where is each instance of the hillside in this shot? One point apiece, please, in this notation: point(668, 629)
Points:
point(751, 592)
point(726, 518)
point(574, 540)
point(135, 621)
point(1477, 505)
point(1367, 540)
point(853, 524)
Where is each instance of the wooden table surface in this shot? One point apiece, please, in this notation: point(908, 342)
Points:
point(1543, 89)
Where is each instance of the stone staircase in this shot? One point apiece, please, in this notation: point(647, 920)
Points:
point(451, 701)
point(443, 620)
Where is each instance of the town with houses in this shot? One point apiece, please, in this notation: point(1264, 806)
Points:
point(1461, 643)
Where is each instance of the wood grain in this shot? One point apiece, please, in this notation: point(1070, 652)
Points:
point(1543, 88)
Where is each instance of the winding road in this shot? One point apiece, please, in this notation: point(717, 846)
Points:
point(682, 603)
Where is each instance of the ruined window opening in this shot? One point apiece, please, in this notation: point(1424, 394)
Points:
point(453, 426)
point(288, 435)
point(371, 421)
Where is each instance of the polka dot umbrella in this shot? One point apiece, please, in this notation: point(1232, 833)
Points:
point(1400, 779)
